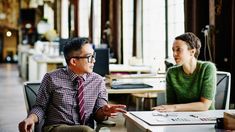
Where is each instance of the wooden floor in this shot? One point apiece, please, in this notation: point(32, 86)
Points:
point(12, 105)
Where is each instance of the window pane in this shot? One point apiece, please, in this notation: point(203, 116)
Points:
point(175, 22)
point(84, 12)
point(127, 30)
point(96, 22)
point(154, 33)
point(64, 19)
point(49, 15)
point(154, 26)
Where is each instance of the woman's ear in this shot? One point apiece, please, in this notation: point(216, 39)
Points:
point(193, 51)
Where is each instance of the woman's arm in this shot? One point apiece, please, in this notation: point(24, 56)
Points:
point(202, 105)
point(207, 93)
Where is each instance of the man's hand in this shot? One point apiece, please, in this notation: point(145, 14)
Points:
point(27, 124)
point(112, 109)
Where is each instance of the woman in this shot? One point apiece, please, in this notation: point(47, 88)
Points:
point(191, 84)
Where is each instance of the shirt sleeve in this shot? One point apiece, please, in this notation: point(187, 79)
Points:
point(209, 82)
point(102, 98)
point(42, 98)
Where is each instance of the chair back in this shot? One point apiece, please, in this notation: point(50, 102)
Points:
point(223, 86)
point(30, 94)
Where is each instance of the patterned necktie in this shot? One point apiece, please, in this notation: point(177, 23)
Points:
point(80, 100)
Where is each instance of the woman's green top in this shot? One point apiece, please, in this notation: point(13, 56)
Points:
point(183, 88)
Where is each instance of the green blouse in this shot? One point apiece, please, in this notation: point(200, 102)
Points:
point(183, 88)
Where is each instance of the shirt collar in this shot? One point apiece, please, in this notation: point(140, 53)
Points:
point(74, 76)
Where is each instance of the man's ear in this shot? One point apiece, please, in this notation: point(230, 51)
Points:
point(72, 61)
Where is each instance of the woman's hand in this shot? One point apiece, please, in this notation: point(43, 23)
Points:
point(165, 108)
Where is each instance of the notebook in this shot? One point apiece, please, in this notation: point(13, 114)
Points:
point(131, 86)
point(178, 118)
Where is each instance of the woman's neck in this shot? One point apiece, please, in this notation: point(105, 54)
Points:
point(190, 67)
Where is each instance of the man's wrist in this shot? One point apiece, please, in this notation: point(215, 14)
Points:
point(33, 117)
point(103, 113)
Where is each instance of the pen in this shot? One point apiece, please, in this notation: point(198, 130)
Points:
point(193, 116)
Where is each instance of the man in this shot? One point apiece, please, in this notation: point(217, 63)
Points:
point(72, 98)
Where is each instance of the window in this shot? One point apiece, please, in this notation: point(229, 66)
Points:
point(84, 17)
point(71, 20)
point(49, 15)
point(154, 33)
point(154, 30)
point(127, 30)
point(96, 22)
point(64, 19)
point(175, 22)
point(84, 13)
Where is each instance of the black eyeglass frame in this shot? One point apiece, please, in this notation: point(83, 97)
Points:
point(89, 57)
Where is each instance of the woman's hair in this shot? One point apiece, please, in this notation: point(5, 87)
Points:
point(73, 45)
point(192, 41)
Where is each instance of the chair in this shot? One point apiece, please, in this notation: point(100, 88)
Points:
point(30, 93)
point(223, 86)
point(222, 97)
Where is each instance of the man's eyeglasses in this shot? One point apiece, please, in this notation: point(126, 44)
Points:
point(89, 58)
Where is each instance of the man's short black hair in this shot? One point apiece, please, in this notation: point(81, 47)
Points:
point(74, 45)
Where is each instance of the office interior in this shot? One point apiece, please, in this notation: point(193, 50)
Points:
point(137, 33)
